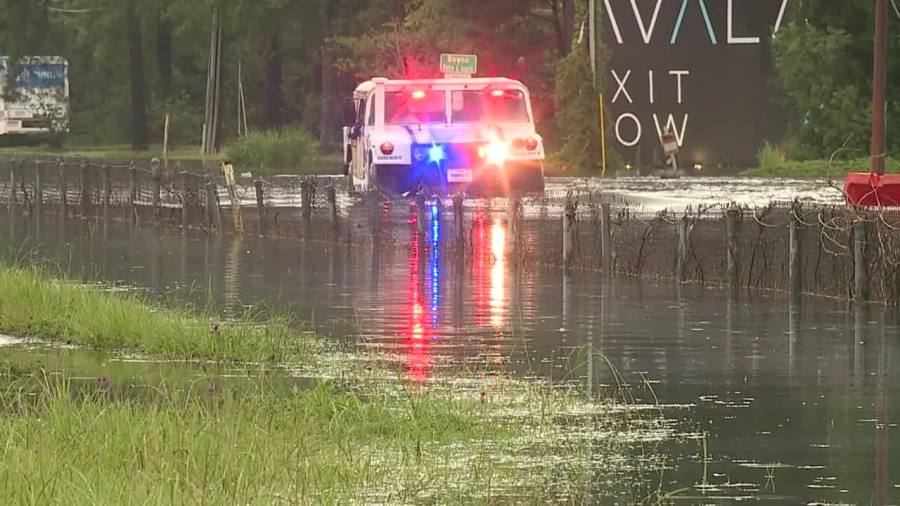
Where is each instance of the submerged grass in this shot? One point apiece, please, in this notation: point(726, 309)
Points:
point(359, 438)
point(34, 304)
point(345, 444)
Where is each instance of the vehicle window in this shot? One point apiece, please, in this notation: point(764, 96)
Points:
point(488, 105)
point(371, 111)
point(404, 107)
point(361, 112)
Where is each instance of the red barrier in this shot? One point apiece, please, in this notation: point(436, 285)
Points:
point(872, 190)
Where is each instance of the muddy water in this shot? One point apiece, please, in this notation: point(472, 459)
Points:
point(799, 399)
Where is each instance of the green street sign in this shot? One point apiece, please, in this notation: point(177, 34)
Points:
point(463, 64)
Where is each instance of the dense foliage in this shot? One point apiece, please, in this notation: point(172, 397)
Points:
point(824, 61)
point(134, 61)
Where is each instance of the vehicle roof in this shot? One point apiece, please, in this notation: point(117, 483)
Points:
point(476, 81)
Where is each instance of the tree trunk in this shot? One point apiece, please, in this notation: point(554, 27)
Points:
point(164, 57)
point(558, 28)
point(325, 119)
point(274, 99)
point(568, 24)
point(139, 134)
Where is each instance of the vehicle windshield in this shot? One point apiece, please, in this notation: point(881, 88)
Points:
point(488, 105)
point(418, 106)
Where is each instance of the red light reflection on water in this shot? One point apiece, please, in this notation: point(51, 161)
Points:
point(418, 352)
point(422, 309)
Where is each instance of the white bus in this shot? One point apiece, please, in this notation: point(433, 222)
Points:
point(36, 101)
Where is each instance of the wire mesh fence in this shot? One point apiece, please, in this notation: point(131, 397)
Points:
point(818, 249)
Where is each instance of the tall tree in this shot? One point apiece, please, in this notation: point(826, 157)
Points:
point(274, 93)
point(139, 130)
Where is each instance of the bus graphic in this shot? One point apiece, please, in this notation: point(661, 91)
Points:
point(34, 96)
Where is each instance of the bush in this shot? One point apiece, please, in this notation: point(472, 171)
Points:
point(291, 150)
point(185, 121)
point(770, 157)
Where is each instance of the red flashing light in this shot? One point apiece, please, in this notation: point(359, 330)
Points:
point(418, 94)
point(387, 148)
point(498, 93)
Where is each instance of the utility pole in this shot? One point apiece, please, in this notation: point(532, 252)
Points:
point(879, 87)
point(592, 39)
point(213, 89)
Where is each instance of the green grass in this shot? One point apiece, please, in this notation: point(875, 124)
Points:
point(261, 443)
point(810, 169)
point(251, 446)
point(33, 304)
point(108, 152)
point(327, 163)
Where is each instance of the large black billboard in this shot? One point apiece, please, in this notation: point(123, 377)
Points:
point(703, 68)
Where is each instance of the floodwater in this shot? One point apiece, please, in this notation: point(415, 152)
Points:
point(795, 396)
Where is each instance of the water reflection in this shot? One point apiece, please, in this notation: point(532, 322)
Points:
point(498, 275)
point(796, 403)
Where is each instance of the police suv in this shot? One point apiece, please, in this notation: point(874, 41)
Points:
point(455, 134)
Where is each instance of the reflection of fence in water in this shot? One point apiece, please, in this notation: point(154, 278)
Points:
point(759, 249)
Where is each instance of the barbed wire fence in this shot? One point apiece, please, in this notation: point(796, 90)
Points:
point(825, 250)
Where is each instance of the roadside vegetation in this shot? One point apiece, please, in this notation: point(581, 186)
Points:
point(119, 152)
point(367, 435)
point(34, 304)
point(775, 162)
point(286, 151)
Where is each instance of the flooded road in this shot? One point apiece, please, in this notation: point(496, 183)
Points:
point(795, 397)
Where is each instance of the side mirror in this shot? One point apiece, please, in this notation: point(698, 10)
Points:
point(349, 112)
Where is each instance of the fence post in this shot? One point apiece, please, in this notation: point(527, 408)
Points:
point(731, 239)
point(459, 225)
point(38, 187)
point(213, 212)
point(332, 203)
point(861, 270)
point(156, 187)
point(420, 213)
point(85, 189)
point(682, 227)
point(107, 191)
point(606, 237)
point(12, 184)
point(63, 188)
point(794, 255)
point(306, 194)
point(514, 218)
point(132, 192)
point(260, 206)
point(185, 194)
point(569, 231)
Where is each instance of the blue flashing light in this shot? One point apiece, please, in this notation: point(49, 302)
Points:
point(436, 153)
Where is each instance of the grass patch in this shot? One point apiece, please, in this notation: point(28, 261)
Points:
point(344, 444)
point(318, 164)
point(774, 163)
point(33, 304)
point(108, 152)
